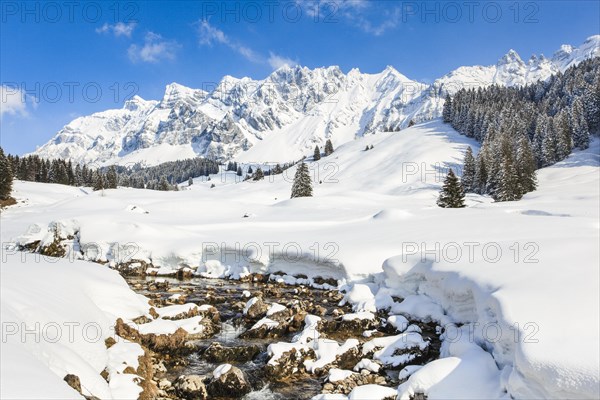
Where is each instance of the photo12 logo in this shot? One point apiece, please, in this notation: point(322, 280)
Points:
point(336, 11)
point(70, 92)
point(53, 12)
point(472, 252)
point(250, 252)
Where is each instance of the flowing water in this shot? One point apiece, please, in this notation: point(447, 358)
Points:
point(227, 296)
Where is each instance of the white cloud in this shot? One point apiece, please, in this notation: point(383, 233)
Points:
point(391, 20)
point(276, 61)
point(13, 101)
point(209, 35)
point(118, 29)
point(155, 49)
point(358, 13)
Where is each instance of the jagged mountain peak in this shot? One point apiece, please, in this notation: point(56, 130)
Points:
point(174, 92)
point(510, 58)
point(282, 117)
point(136, 103)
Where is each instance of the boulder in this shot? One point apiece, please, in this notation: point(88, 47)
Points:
point(190, 387)
point(256, 308)
point(218, 353)
point(228, 381)
point(73, 381)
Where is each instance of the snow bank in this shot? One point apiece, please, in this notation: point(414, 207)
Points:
point(56, 315)
point(447, 377)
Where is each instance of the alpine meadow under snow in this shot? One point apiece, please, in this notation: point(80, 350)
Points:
point(315, 235)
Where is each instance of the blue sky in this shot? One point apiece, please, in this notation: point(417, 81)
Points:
point(75, 58)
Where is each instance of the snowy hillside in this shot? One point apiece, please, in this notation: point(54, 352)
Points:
point(284, 116)
point(374, 224)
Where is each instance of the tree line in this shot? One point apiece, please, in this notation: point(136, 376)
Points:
point(164, 176)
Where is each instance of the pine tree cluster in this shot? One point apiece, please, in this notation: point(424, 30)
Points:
point(525, 128)
point(164, 176)
point(35, 169)
point(260, 173)
point(167, 175)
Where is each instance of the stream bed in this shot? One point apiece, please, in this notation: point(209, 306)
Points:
point(231, 297)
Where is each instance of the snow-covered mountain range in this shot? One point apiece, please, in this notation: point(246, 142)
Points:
point(282, 117)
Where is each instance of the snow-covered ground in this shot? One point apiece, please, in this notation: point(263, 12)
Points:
point(55, 316)
point(521, 276)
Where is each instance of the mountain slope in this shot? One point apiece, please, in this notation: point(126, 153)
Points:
point(284, 116)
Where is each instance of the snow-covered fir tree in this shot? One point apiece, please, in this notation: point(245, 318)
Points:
point(447, 110)
point(328, 147)
point(469, 171)
point(98, 180)
point(564, 136)
point(581, 135)
point(112, 179)
point(526, 166)
point(317, 154)
point(302, 186)
point(259, 174)
point(163, 184)
point(508, 188)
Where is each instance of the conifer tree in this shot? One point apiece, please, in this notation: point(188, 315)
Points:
point(302, 186)
point(452, 194)
point(526, 166)
point(190, 181)
point(328, 147)
point(549, 145)
point(469, 171)
point(259, 174)
point(508, 185)
point(98, 181)
point(317, 154)
point(481, 174)
point(111, 178)
point(78, 175)
point(541, 127)
point(6, 176)
point(447, 110)
point(564, 141)
point(592, 105)
point(163, 184)
point(581, 136)
point(239, 171)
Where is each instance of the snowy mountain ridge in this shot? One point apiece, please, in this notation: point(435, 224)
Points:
point(284, 116)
